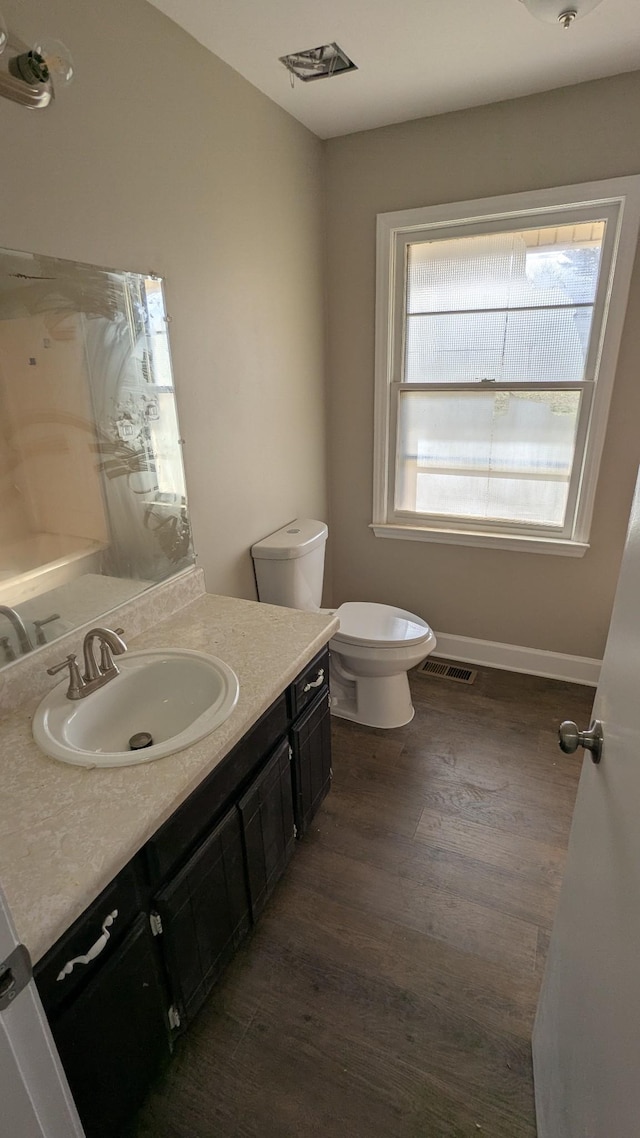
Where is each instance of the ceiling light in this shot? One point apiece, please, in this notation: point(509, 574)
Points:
point(46, 60)
point(562, 12)
point(28, 76)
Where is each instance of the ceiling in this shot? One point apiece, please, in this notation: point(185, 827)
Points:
point(415, 57)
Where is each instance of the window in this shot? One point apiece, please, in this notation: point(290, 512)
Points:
point(498, 326)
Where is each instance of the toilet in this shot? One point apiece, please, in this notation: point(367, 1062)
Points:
point(375, 645)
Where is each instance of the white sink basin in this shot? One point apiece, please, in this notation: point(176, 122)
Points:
point(178, 697)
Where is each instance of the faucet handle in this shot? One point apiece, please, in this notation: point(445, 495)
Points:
point(76, 682)
point(66, 663)
point(39, 625)
point(107, 664)
point(7, 648)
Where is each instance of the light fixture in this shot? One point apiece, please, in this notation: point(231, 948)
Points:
point(30, 76)
point(563, 12)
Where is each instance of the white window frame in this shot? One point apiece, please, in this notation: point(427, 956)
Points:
point(617, 200)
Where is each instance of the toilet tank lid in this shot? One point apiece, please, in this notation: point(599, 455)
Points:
point(293, 540)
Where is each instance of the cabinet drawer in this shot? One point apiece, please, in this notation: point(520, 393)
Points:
point(89, 935)
point(309, 683)
point(179, 836)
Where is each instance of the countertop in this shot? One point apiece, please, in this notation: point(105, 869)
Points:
point(66, 831)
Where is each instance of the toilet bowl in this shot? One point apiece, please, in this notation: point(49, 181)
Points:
point(370, 657)
point(375, 645)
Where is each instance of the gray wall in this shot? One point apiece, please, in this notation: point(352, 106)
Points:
point(575, 134)
point(160, 157)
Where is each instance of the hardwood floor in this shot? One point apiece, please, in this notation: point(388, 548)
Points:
point(390, 987)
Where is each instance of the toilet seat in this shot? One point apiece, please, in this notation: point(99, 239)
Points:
point(372, 625)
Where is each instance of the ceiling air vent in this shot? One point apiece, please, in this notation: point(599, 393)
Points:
point(318, 62)
point(443, 671)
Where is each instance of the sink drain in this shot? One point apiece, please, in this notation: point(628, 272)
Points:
point(140, 740)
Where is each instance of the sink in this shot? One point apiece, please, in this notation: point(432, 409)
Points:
point(177, 696)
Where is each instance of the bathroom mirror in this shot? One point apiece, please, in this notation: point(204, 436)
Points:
point(93, 506)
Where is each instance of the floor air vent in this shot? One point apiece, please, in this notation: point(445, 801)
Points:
point(444, 671)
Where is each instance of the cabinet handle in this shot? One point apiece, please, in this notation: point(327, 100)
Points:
point(95, 949)
point(315, 683)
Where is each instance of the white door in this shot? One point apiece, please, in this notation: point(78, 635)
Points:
point(586, 1040)
point(35, 1101)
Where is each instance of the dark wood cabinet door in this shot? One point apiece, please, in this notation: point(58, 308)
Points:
point(267, 821)
point(311, 765)
point(204, 912)
point(115, 1035)
point(192, 821)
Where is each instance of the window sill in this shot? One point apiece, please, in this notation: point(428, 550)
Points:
point(561, 547)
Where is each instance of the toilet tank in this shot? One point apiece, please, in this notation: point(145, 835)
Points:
point(289, 565)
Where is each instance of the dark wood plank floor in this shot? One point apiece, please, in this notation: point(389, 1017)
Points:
point(390, 988)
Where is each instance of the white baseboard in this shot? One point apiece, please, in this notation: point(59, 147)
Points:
point(514, 658)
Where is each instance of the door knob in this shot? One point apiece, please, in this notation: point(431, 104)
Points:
point(570, 738)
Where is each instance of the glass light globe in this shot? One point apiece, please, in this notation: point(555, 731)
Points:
point(552, 11)
point(58, 60)
point(47, 61)
point(4, 33)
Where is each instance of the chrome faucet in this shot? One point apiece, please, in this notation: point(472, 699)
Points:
point(95, 675)
point(110, 641)
point(19, 626)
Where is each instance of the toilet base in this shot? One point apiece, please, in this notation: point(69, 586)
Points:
point(373, 701)
point(344, 713)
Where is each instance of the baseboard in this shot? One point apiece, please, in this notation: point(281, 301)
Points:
point(514, 658)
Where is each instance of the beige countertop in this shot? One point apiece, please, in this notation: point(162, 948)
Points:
point(66, 831)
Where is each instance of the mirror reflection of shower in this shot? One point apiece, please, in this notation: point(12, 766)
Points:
point(92, 496)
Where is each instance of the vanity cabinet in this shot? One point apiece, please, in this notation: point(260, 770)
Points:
point(149, 950)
